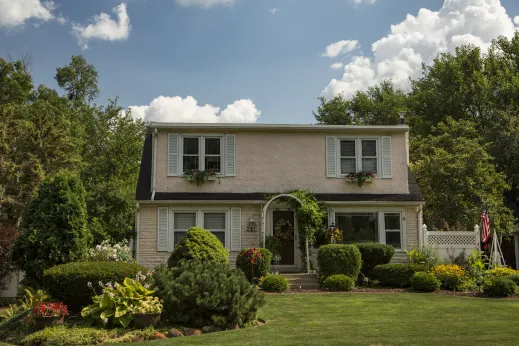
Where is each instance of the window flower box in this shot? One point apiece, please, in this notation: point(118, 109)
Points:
point(200, 177)
point(361, 178)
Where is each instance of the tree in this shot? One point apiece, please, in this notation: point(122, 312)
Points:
point(334, 112)
point(8, 235)
point(15, 82)
point(55, 226)
point(78, 79)
point(458, 178)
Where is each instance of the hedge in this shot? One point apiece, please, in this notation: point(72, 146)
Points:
point(339, 259)
point(499, 287)
point(258, 267)
point(374, 254)
point(425, 282)
point(69, 282)
point(339, 282)
point(396, 275)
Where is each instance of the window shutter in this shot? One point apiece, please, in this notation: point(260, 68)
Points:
point(386, 157)
point(172, 154)
point(230, 156)
point(235, 229)
point(331, 157)
point(162, 229)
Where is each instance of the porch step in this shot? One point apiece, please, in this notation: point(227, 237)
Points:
point(301, 281)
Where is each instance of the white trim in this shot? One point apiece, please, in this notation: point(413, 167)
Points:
point(155, 146)
point(240, 202)
point(201, 151)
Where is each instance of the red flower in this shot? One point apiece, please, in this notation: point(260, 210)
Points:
point(50, 309)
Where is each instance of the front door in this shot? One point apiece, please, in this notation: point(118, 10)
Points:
point(284, 230)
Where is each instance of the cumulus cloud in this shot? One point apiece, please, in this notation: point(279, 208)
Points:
point(418, 39)
point(16, 13)
point(204, 3)
point(340, 47)
point(273, 10)
point(187, 110)
point(360, 2)
point(337, 65)
point(104, 28)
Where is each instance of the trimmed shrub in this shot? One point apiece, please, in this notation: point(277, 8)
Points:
point(254, 262)
point(396, 275)
point(274, 283)
point(200, 245)
point(450, 275)
point(210, 293)
point(374, 254)
point(499, 287)
point(69, 282)
point(339, 282)
point(425, 282)
point(339, 259)
point(514, 278)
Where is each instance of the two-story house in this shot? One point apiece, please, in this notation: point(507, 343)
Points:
point(253, 161)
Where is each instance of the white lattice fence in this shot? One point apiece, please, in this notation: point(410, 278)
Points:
point(452, 242)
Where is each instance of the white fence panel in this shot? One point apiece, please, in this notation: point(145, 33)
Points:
point(452, 243)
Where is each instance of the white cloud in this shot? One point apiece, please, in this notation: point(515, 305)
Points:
point(337, 65)
point(177, 109)
point(273, 10)
point(360, 2)
point(340, 47)
point(204, 3)
point(419, 39)
point(15, 13)
point(516, 20)
point(103, 27)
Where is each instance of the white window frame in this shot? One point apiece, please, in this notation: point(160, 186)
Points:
point(358, 154)
point(199, 222)
point(381, 225)
point(201, 151)
point(393, 230)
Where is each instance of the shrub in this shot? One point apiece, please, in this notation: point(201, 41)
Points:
point(374, 254)
point(201, 294)
point(339, 282)
point(106, 251)
point(514, 278)
point(500, 272)
point(396, 275)
point(499, 287)
point(69, 282)
point(55, 225)
point(429, 256)
point(254, 262)
point(425, 282)
point(274, 283)
point(450, 275)
point(200, 245)
point(63, 336)
point(339, 259)
point(273, 244)
point(8, 235)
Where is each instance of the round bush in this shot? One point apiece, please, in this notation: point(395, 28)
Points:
point(425, 282)
point(499, 287)
point(274, 283)
point(69, 282)
point(339, 259)
point(374, 254)
point(339, 282)
point(396, 275)
point(501, 272)
point(200, 245)
point(254, 262)
point(450, 275)
point(514, 278)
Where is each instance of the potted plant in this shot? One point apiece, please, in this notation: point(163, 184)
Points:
point(146, 313)
point(361, 178)
point(275, 259)
point(49, 314)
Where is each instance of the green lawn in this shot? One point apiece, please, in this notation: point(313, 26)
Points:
point(380, 319)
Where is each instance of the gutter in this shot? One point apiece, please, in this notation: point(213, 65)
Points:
point(154, 173)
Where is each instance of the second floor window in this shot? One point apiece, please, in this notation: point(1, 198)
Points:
point(358, 155)
point(202, 153)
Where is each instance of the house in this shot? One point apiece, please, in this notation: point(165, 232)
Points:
point(252, 161)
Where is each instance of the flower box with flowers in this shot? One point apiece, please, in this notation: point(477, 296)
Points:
point(48, 314)
point(200, 177)
point(361, 178)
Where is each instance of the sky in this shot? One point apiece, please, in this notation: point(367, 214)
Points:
point(249, 61)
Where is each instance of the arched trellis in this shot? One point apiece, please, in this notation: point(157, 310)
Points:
point(263, 223)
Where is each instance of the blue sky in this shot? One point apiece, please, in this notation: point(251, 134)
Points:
point(244, 53)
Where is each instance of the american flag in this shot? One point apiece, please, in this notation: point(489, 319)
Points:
point(485, 227)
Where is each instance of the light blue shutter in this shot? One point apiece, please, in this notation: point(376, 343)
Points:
point(230, 155)
point(235, 229)
point(172, 154)
point(162, 229)
point(331, 157)
point(386, 157)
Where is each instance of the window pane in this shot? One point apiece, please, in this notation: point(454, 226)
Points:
point(212, 163)
point(214, 221)
point(369, 147)
point(394, 238)
point(212, 146)
point(347, 148)
point(191, 146)
point(392, 221)
point(184, 220)
point(357, 227)
point(178, 237)
point(220, 236)
point(369, 165)
point(190, 162)
point(348, 166)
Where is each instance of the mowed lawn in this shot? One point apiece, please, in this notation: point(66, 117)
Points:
point(374, 319)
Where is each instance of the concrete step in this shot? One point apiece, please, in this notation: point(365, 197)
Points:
point(304, 287)
point(302, 281)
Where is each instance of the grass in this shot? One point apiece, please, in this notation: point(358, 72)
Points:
point(374, 319)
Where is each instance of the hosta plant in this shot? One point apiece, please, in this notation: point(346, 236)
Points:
point(116, 303)
point(150, 305)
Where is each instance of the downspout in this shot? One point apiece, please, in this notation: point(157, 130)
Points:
point(154, 173)
point(419, 226)
point(137, 235)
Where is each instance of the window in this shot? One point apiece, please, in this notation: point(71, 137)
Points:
point(358, 155)
point(215, 223)
point(181, 223)
point(348, 159)
point(202, 153)
point(357, 227)
point(393, 229)
point(369, 155)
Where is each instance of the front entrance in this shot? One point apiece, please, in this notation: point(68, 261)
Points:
point(283, 228)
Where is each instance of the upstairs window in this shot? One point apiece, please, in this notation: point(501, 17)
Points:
point(369, 155)
point(348, 156)
point(358, 155)
point(202, 153)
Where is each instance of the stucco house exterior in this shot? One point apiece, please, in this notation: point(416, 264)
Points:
point(253, 161)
